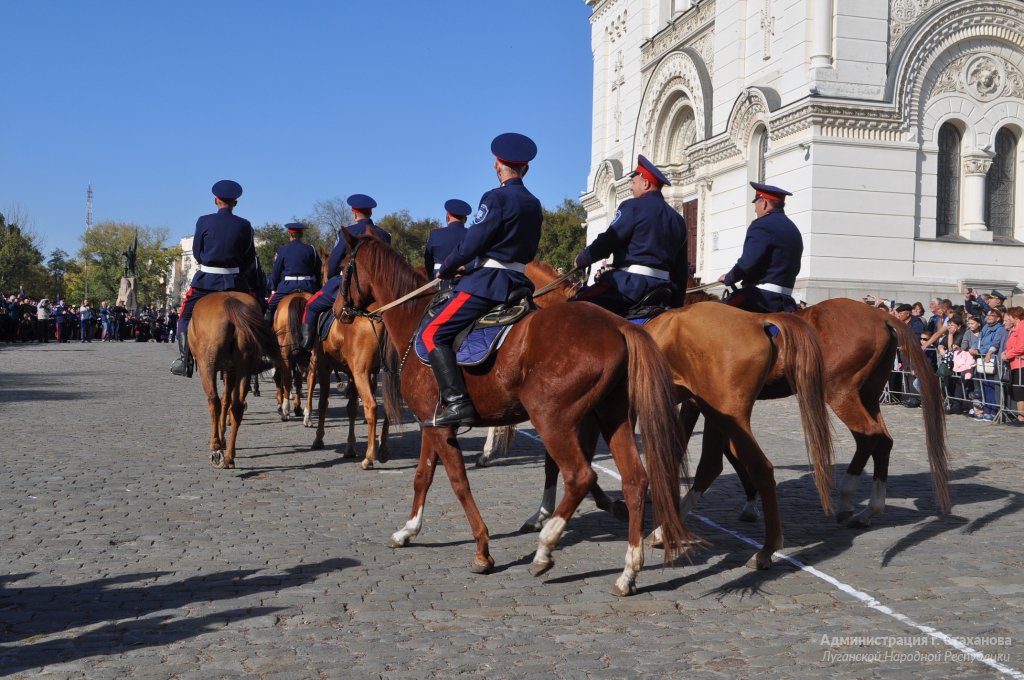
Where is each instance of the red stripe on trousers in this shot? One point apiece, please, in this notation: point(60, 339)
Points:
point(308, 303)
point(440, 319)
point(185, 301)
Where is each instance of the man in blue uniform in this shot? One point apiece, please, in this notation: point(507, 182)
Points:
point(224, 249)
point(771, 255)
point(296, 268)
point(647, 240)
point(362, 210)
point(443, 241)
point(504, 236)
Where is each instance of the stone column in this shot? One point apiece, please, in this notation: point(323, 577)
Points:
point(821, 35)
point(972, 203)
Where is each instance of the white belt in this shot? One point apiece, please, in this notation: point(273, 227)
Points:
point(298, 278)
point(646, 271)
point(217, 270)
point(496, 264)
point(437, 267)
point(772, 288)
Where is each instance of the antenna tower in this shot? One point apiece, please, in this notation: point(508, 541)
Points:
point(88, 206)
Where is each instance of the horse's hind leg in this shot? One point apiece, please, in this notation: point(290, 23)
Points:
point(383, 453)
point(297, 389)
point(213, 403)
point(762, 475)
point(589, 433)
point(421, 482)
point(873, 440)
point(547, 501)
point(323, 373)
point(351, 409)
point(365, 390)
point(238, 389)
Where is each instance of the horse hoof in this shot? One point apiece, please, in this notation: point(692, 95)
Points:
point(395, 542)
point(759, 561)
point(318, 444)
point(383, 455)
point(350, 452)
point(481, 567)
point(217, 459)
point(284, 417)
point(298, 411)
point(654, 540)
point(620, 592)
point(482, 461)
point(858, 522)
point(367, 464)
point(307, 423)
point(748, 516)
point(530, 527)
point(620, 511)
point(540, 568)
point(844, 516)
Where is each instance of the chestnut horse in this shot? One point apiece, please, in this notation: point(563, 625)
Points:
point(354, 349)
point(720, 375)
point(228, 335)
point(291, 372)
point(611, 372)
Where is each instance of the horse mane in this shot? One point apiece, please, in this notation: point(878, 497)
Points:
point(394, 270)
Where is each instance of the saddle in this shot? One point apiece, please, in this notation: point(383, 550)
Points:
point(475, 343)
point(651, 305)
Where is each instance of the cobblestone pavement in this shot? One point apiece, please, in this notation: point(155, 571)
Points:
point(123, 553)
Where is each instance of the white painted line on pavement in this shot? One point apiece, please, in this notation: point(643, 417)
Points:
point(868, 600)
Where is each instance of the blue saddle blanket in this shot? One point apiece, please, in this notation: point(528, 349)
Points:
point(479, 344)
point(641, 322)
point(326, 321)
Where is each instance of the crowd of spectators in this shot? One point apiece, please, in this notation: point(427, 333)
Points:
point(27, 319)
point(976, 349)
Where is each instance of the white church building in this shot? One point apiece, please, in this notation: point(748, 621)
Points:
point(897, 125)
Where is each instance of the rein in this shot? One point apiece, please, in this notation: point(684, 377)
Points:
point(551, 286)
point(706, 286)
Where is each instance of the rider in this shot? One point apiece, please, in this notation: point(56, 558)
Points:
point(362, 210)
point(443, 241)
point(771, 255)
point(504, 236)
point(648, 241)
point(296, 268)
point(224, 249)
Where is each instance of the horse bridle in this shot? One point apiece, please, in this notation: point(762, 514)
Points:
point(346, 282)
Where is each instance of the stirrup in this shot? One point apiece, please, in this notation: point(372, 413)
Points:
point(456, 413)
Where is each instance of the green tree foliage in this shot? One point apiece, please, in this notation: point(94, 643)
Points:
point(563, 235)
point(58, 266)
point(408, 236)
point(102, 263)
point(21, 262)
point(270, 237)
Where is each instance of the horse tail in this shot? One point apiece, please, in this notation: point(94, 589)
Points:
point(296, 307)
point(503, 436)
point(931, 410)
point(801, 359)
point(253, 337)
point(652, 402)
point(391, 382)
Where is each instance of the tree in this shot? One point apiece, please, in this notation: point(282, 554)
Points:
point(58, 268)
point(270, 237)
point(21, 261)
point(563, 235)
point(408, 236)
point(102, 263)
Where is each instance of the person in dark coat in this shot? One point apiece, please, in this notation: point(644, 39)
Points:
point(362, 212)
point(443, 241)
point(224, 248)
point(770, 261)
point(296, 268)
point(647, 241)
point(504, 237)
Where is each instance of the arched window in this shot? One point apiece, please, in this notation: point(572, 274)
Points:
point(947, 189)
point(762, 152)
point(756, 166)
point(999, 186)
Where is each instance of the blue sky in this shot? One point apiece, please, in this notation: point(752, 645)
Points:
point(299, 101)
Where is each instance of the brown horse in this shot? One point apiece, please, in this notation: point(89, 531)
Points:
point(859, 344)
point(291, 372)
point(720, 375)
point(613, 372)
point(354, 349)
point(228, 335)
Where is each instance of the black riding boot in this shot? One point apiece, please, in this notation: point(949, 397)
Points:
point(183, 364)
point(458, 407)
point(268, 316)
point(308, 336)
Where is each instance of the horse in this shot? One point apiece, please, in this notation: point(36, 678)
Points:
point(228, 335)
point(356, 350)
point(614, 378)
point(720, 375)
point(859, 344)
point(291, 372)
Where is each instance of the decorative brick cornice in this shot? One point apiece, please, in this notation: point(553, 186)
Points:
point(682, 30)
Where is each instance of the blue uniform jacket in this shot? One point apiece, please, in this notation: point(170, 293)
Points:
point(295, 258)
point(506, 228)
point(771, 253)
point(225, 240)
point(360, 228)
point(645, 231)
point(440, 244)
